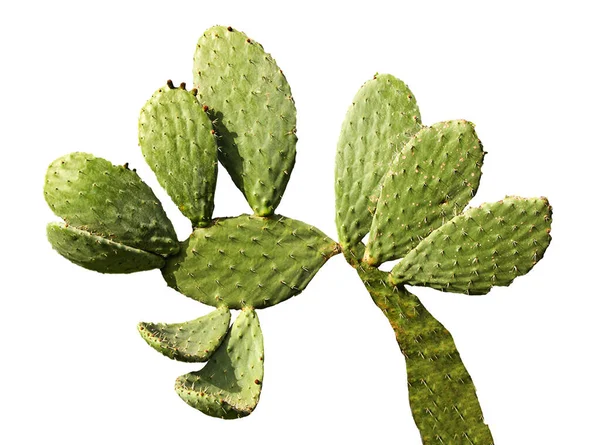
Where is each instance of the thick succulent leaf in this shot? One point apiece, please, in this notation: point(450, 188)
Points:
point(487, 246)
point(382, 118)
point(431, 180)
point(97, 253)
point(229, 385)
point(191, 341)
point(441, 392)
point(177, 141)
point(110, 201)
point(253, 113)
point(248, 261)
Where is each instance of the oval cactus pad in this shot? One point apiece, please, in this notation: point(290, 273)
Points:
point(253, 112)
point(383, 116)
point(110, 201)
point(176, 138)
point(486, 246)
point(248, 261)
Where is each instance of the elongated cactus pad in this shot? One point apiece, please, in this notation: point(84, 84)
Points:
point(192, 341)
point(430, 181)
point(248, 261)
point(177, 141)
point(251, 105)
point(441, 392)
point(382, 118)
point(97, 253)
point(229, 385)
point(487, 246)
point(110, 201)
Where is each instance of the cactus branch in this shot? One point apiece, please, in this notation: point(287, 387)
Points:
point(441, 392)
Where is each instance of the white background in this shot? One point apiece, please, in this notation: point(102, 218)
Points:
point(74, 76)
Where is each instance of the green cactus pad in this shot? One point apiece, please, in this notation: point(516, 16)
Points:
point(110, 201)
point(253, 112)
point(382, 118)
point(97, 253)
point(192, 341)
point(248, 261)
point(229, 385)
point(486, 246)
point(431, 180)
point(177, 141)
point(441, 392)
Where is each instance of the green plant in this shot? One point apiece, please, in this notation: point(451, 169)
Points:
point(403, 184)
point(406, 186)
point(241, 113)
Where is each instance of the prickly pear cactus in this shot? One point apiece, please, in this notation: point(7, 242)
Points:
point(241, 113)
point(403, 184)
point(406, 186)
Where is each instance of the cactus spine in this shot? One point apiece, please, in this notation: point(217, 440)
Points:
point(406, 185)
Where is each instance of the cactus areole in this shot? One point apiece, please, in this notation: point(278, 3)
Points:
point(404, 184)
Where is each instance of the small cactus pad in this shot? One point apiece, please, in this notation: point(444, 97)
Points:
point(248, 261)
point(253, 112)
point(486, 246)
point(110, 201)
point(192, 341)
point(441, 392)
point(177, 141)
point(97, 253)
point(382, 118)
point(229, 385)
point(431, 180)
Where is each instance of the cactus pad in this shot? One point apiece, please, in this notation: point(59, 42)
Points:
point(431, 180)
point(487, 246)
point(97, 253)
point(382, 118)
point(192, 341)
point(110, 201)
point(441, 392)
point(229, 385)
point(251, 105)
point(177, 141)
point(248, 261)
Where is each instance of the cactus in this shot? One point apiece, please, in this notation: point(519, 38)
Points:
point(406, 186)
point(403, 184)
point(241, 113)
